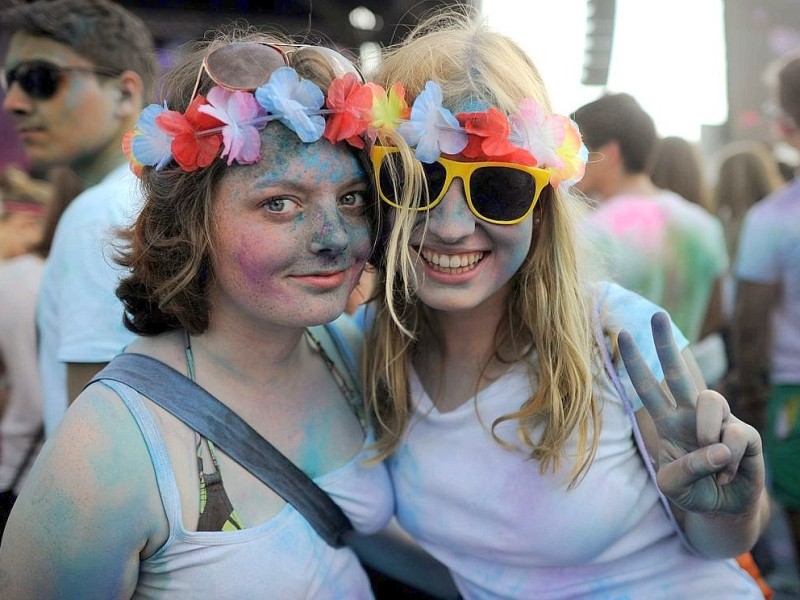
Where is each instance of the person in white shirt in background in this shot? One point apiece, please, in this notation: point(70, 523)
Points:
point(766, 324)
point(76, 75)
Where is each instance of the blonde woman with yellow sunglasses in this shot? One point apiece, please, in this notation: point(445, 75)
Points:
point(517, 402)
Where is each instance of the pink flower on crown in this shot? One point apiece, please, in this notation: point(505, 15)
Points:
point(237, 110)
point(191, 151)
point(351, 104)
point(538, 132)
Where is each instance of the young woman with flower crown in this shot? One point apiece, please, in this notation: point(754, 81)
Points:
point(514, 399)
point(257, 221)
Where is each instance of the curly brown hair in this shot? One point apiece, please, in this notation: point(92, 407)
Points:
point(167, 249)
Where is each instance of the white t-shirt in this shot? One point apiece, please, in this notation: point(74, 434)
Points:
point(769, 252)
point(22, 418)
point(663, 247)
point(507, 531)
point(78, 314)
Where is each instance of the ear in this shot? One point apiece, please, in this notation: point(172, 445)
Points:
point(131, 90)
point(611, 153)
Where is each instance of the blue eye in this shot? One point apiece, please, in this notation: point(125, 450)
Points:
point(281, 207)
point(278, 205)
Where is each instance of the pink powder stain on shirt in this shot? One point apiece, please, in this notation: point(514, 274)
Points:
point(641, 221)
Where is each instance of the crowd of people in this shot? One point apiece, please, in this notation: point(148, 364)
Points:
point(290, 329)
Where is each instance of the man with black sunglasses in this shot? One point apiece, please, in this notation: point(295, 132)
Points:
point(75, 77)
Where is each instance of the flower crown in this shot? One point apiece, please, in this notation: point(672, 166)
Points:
point(225, 124)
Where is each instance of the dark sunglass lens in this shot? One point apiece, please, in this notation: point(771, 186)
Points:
point(243, 65)
point(502, 193)
point(37, 80)
point(391, 171)
point(435, 175)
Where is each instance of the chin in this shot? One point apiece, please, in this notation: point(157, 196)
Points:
point(323, 316)
point(450, 304)
point(39, 160)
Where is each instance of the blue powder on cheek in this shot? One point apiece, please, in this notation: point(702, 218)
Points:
point(298, 223)
point(359, 236)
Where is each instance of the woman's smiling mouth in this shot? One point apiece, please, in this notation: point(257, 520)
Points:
point(451, 263)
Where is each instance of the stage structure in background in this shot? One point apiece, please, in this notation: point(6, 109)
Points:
point(599, 41)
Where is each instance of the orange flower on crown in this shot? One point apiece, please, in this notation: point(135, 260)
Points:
point(487, 134)
point(351, 104)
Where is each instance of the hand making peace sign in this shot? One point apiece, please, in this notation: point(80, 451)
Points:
point(708, 460)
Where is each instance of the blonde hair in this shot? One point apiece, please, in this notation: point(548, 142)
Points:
point(547, 306)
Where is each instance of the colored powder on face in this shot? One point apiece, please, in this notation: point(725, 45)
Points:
point(260, 251)
point(318, 166)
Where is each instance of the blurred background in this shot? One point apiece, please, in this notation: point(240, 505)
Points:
point(697, 66)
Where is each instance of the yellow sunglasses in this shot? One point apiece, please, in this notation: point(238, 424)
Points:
point(497, 192)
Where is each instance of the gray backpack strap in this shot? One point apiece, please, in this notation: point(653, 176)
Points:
point(206, 415)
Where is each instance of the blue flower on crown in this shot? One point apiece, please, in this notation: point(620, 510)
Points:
point(290, 99)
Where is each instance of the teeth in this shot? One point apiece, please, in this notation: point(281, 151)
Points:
point(452, 261)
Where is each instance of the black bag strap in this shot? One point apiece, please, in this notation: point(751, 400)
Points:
point(209, 417)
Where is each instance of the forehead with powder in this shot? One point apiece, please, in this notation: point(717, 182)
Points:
point(284, 157)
